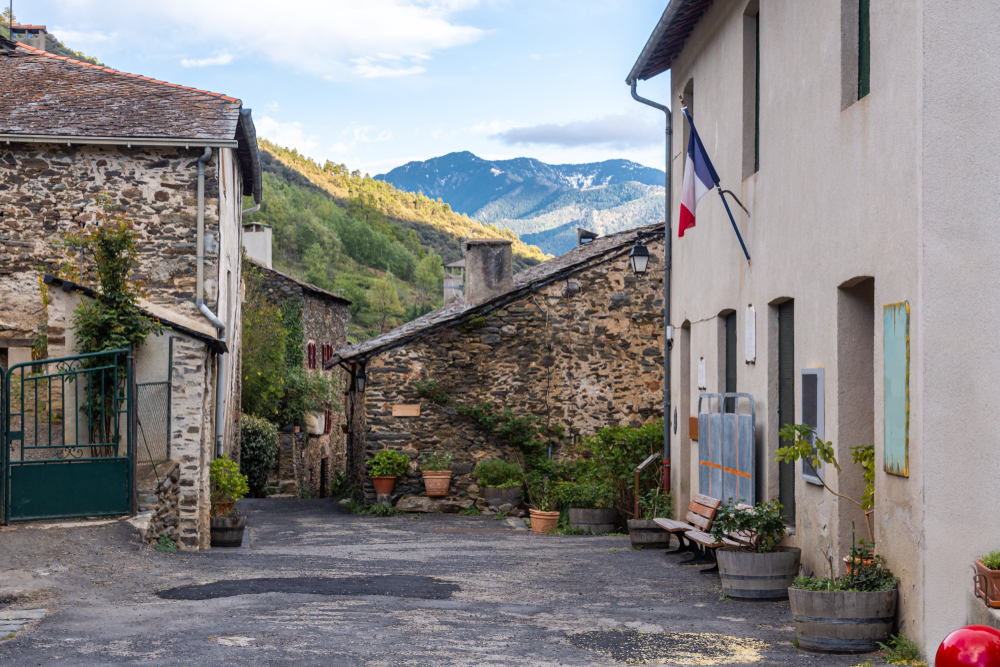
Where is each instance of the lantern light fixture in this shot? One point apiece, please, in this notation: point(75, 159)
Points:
point(639, 258)
point(360, 379)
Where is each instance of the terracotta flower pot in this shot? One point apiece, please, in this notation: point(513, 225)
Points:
point(987, 584)
point(345, 428)
point(436, 482)
point(222, 509)
point(543, 522)
point(849, 564)
point(383, 485)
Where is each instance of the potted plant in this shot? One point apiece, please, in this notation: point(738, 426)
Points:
point(437, 477)
point(854, 612)
point(988, 578)
point(385, 467)
point(228, 486)
point(589, 506)
point(542, 506)
point(499, 482)
point(759, 568)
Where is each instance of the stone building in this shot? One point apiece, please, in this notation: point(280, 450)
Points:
point(178, 162)
point(576, 341)
point(312, 461)
point(860, 151)
point(30, 35)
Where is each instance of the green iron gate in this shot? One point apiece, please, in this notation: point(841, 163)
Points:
point(68, 428)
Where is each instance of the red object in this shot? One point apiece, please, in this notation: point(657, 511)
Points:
point(971, 646)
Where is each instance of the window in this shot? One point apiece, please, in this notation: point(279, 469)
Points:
point(751, 89)
point(786, 402)
point(813, 410)
point(864, 49)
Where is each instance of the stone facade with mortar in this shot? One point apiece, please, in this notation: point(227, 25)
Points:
point(165, 518)
point(584, 351)
point(324, 323)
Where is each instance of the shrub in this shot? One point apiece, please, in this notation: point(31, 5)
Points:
point(617, 451)
point(228, 484)
point(901, 650)
point(307, 392)
point(992, 559)
point(497, 474)
point(388, 463)
point(654, 503)
point(258, 451)
point(763, 525)
point(584, 495)
point(435, 462)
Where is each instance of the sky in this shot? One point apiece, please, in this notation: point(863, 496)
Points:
point(375, 84)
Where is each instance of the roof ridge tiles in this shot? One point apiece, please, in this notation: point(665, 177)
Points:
point(128, 74)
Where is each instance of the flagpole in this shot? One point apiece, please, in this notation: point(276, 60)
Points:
point(717, 186)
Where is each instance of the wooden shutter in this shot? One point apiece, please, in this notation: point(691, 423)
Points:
point(864, 48)
point(730, 361)
point(786, 402)
point(311, 355)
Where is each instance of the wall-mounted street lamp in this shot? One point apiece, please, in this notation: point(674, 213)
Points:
point(639, 258)
point(360, 379)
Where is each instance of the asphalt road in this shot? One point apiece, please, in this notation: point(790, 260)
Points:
point(318, 587)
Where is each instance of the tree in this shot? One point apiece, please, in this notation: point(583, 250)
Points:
point(264, 343)
point(430, 274)
point(384, 301)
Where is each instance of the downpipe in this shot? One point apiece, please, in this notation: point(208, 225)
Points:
point(220, 374)
point(667, 343)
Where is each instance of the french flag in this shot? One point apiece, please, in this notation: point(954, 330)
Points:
point(699, 177)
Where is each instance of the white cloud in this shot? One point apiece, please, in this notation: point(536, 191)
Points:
point(332, 38)
point(288, 135)
point(223, 59)
point(273, 106)
point(616, 131)
point(78, 39)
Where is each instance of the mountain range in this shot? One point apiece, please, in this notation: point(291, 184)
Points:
point(543, 203)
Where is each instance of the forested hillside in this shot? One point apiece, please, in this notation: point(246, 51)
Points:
point(340, 230)
point(540, 201)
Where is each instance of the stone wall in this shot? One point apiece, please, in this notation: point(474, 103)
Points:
point(586, 352)
point(191, 437)
point(48, 191)
point(324, 321)
point(166, 513)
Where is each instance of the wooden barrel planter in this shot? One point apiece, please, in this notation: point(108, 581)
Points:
point(647, 535)
point(497, 497)
point(594, 520)
point(842, 621)
point(753, 576)
point(227, 531)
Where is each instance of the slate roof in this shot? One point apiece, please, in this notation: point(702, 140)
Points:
point(599, 251)
point(669, 36)
point(49, 95)
point(304, 285)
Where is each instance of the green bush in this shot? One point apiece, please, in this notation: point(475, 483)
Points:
point(388, 463)
point(258, 451)
point(617, 451)
point(435, 462)
point(542, 496)
point(763, 525)
point(992, 559)
point(433, 391)
point(497, 474)
point(585, 495)
point(654, 504)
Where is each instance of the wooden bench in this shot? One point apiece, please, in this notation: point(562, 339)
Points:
point(709, 543)
point(700, 515)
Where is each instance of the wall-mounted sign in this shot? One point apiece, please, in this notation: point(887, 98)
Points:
point(406, 410)
point(750, 332)
point(702, 378)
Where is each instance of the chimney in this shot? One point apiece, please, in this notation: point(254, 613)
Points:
point(257, 241)
point(489, 270)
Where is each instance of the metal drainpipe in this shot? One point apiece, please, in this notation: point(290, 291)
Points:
point(220, 374)
point(666, 291)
